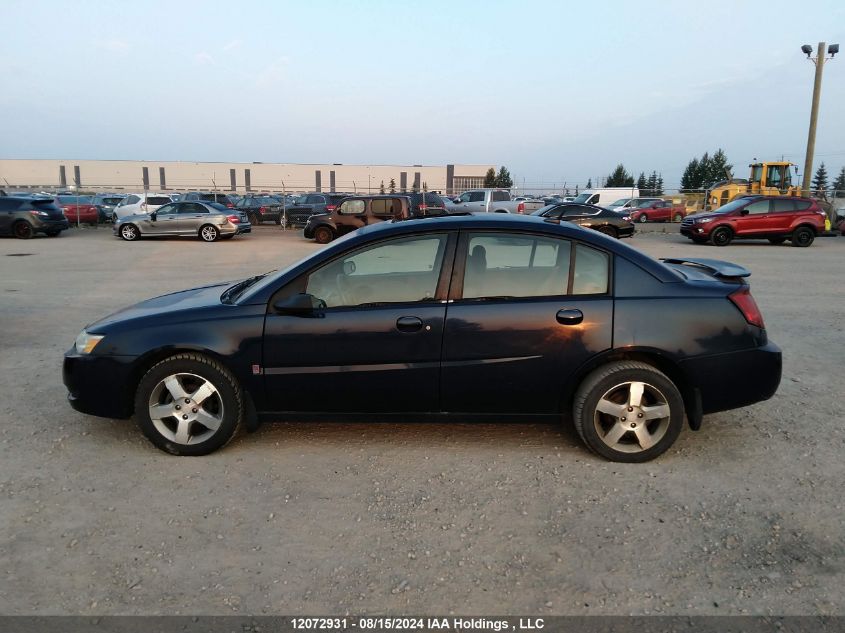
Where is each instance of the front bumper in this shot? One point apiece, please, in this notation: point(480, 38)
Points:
point(99, 385)
point(735, 379)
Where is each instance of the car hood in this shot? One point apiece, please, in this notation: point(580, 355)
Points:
point(175, 302)
point(698, 216)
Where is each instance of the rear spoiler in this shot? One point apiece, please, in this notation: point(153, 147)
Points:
point(716, 267)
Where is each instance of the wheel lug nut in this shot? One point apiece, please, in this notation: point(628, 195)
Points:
point(630, 408)
point(623, 419)
point(184, 417)
point(187, 401)
point(178, 407)
point(639, 415)
point(633, 425)
point(193, 410)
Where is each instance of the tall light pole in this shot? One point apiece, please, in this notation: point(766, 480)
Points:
point(819, 61)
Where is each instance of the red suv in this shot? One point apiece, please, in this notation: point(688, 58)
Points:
point(774, 218)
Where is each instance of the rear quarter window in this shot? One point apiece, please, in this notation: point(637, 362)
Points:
point(158, 200)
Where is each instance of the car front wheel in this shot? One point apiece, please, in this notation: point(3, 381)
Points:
point(323, 235)
point(642, 219)
point(189, 404)
point(129, 232)
point(628, 411)
point(721, 236)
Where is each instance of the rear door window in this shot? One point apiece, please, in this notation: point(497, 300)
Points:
point(385, 207)
point(500, 196)
point(783, 206)
point(158, 200)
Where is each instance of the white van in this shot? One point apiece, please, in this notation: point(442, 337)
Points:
point(603, 197)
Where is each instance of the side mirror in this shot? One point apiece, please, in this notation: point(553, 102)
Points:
point(153, 216)
point(301, 304)
point(744, 212)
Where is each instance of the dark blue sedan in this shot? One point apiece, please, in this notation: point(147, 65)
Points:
point(466, 317)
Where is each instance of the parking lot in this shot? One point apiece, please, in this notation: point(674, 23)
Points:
point(744, 516)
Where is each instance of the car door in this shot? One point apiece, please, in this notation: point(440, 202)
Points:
point(579, 214)
point(7, 212)
point(376, 345)
point(191, 216)
point(525, 311)
point(753, 219)
point(166, 221)
point(781, 215)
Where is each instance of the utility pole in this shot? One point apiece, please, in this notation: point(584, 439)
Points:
point(819, 61)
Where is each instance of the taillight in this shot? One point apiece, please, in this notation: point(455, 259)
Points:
point(330, 207)
point(230, 206)
point(233, 219)
point(262, 210)
point(743, 300)
point(520, 208)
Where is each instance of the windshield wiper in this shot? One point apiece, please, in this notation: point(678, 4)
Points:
point(232, 293)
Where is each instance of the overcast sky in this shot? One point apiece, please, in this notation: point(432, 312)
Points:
point(557, 91)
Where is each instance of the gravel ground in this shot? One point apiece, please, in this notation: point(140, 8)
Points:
point(744, 516)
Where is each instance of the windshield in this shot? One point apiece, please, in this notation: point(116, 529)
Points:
point(582, 197)
point(732, 206)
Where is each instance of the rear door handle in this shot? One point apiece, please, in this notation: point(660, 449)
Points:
point(570, 316)
point(409, 324)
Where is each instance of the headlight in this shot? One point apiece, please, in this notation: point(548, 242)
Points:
point(85, 343)
point(704, 220)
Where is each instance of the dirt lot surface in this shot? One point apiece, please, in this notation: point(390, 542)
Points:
point(744, 516)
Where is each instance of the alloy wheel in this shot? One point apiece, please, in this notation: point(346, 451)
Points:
point(186, 408)
point(632, 417)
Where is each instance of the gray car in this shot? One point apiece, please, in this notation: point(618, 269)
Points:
point(208, 221)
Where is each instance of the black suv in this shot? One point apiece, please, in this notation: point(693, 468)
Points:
point(208, 196)
point(24, 216)
point(426, 204)
point(311, 203)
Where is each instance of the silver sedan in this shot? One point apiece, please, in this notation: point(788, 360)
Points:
point(209, 221)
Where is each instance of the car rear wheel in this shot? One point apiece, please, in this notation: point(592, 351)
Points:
point(189, 404)
point(254, 218)
point(628, 411)
point(721, 236)
point(607, 230)
point(323, 235)
point(129, 232)
point(23, 230)
point(802, 236)
point(678, 217)
point(209, 233)
point(642, 219)
point(777, 240)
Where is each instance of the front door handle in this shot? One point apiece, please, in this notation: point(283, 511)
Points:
point(571, 316)
point(409, 324)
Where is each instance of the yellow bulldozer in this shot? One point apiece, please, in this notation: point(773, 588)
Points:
point(770, 179)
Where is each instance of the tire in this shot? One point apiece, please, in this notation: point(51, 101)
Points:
point(609, 231)
point(23, 230)
point(323, 235)
point(254, 219)
point(200, 391)
point(777, 240)
point(803, 236)
point(610, 432)
point(722, 236)
point(129, 232)
point(678, 218)
point(209, 233)
point(642, 219)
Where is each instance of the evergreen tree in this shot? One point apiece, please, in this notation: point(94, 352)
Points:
point(503, 178)
point(641, 183)
point(820, 181)
point(717, 169)
point(839, 185)
point(589, 183)
point(381, 187)
point(651, 184)
point(659, 191)
point(689, 181)
point(620, 178)
point(392, 186)
point(490, 178)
